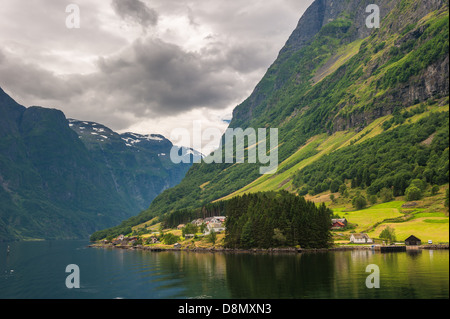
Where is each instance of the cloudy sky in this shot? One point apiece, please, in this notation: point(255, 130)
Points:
point(145, 66)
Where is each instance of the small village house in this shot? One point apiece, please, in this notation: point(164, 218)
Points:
point(413, 241)
point(131, 240)
point(197, 222)
point(118, 240)
point(218, 219)
point(337, 225)
point(360, 239)
point(217, 227)
point(177, 245)
point(208, 220)
point(181, 226)
point(339, 220)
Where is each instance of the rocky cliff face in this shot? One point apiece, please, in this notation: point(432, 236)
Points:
point(430, 82)
point(319, 14)
point(395, 17)
point(322, 12)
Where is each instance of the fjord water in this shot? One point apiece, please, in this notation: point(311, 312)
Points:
point(37, 270)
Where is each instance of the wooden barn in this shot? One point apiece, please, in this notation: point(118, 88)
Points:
point(413, 241)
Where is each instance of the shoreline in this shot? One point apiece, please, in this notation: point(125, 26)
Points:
point(290, 250)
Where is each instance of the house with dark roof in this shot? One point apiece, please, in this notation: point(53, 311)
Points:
point(413, 241)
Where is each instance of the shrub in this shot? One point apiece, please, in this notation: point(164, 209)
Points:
point(189, 229)
point(373, 199)
point(419, 184)
point(359, 202)
point(342, 189)
point(170, 239)
point(386, 195)
point(413, 193)
point(212, 237)
point(435, 190)
point(334, 186)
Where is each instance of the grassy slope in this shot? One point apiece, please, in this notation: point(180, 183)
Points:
point(428, 220)
point(322, 145)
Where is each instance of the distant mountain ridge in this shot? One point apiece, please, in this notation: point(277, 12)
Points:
point(63, 178)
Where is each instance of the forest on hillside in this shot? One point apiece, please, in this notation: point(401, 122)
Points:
point(391, 160)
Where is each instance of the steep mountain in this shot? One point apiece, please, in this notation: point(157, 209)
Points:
point(333, 86)
point(66, 178)
point(139, 165)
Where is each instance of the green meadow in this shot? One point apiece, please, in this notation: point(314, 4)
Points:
point(423, 221)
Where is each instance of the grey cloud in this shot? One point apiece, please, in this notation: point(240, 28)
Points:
point(149, 78)
point(135, 10)
point(163, 79)
point(30, 81)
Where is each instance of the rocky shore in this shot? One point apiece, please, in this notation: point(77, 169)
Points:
point(253, 250)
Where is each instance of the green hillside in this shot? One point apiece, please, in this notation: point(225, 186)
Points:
point(337, 93)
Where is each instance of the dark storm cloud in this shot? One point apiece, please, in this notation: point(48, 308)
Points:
point(136, 11)
point(30, 81)
point(150, 78)
point(163, 79)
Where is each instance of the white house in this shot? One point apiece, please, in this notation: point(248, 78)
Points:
point(360, 239)
point(197, 222)
point(217, 227)
point(218, 219)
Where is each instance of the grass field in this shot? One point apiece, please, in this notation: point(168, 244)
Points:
point(419, 227)
point(368, 217)
point(427, 221)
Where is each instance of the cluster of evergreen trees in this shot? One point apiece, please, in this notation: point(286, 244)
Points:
point(276, 219)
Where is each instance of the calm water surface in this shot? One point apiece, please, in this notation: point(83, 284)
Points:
point(37, 270)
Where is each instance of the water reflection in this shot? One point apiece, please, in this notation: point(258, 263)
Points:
point(38, 272)
point(279, 276)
